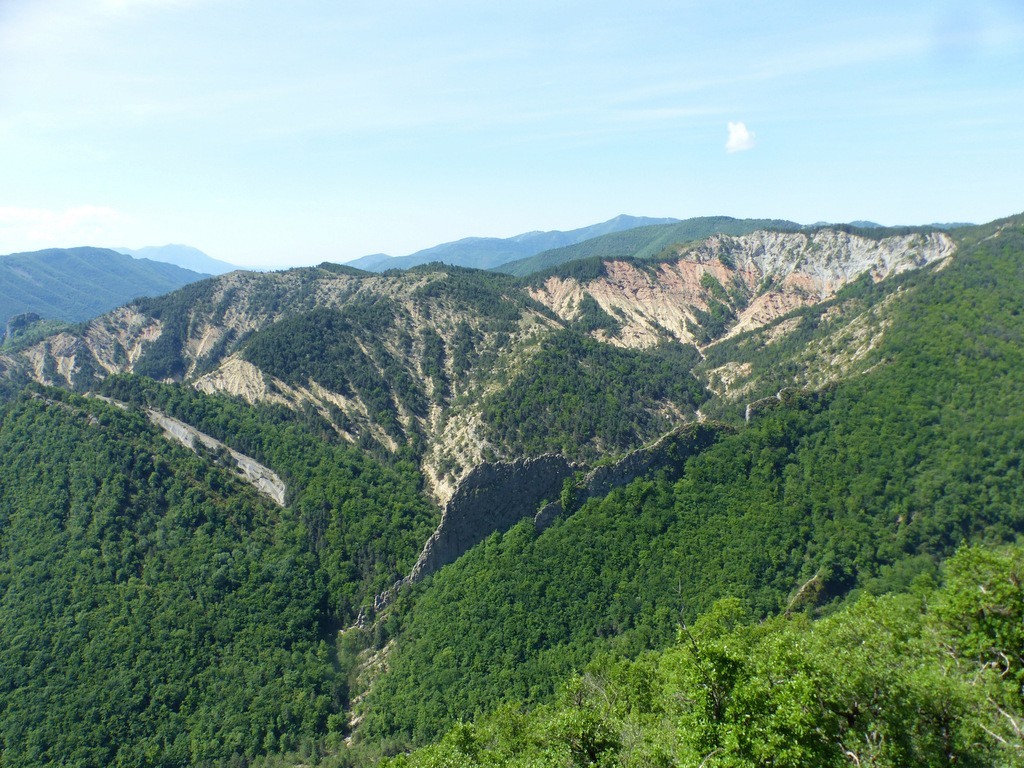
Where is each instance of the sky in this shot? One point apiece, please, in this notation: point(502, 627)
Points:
point(273, 134)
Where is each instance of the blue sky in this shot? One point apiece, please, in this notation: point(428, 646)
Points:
point(275, 134)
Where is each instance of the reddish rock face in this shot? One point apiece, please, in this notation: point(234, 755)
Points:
point(763, 276)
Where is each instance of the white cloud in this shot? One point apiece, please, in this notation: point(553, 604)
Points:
point(30, 228)
point(740, 138)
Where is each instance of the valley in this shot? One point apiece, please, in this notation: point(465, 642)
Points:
point(574, 516)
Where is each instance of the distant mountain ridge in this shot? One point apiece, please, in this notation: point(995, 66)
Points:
point(491, 252)
point(74, 284)
point(643, 242)
point(184, 256)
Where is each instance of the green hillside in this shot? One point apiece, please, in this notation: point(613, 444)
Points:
point(155, 611)
point(75, 284)
point(781, 594)
point(859, 487)
point(642, 242)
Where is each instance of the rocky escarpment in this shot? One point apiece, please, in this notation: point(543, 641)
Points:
point(496, 496)
point(493, 497)
point(726, 285)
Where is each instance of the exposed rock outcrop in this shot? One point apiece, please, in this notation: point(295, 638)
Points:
point(496, 496)
point(262, 478)
point(761, 277)
point(493, 497)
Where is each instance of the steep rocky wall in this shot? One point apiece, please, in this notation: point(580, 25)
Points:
point(496, 496)
point(493, 497)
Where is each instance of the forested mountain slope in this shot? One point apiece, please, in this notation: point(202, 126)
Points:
point(930, 679)
point(157, 611)
point(859, 393)
point(76, 284)
point(454, 367)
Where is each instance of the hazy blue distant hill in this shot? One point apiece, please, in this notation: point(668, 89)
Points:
point(491, 252)
point(642, 242)
point(951, 224)
point(862, 224)
point(184, 256)
point(75, 284)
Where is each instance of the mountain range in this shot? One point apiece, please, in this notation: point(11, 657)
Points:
point(491, 252)
point(643, 242)
point(693, 493)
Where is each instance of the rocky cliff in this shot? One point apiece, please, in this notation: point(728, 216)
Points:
point(493, 497)
point(496, 496)
point(725, 285)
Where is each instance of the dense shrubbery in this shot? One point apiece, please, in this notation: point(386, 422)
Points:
point(187, 619)
point(925, 679)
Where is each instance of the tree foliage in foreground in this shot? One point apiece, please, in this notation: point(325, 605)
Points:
point(930, 678)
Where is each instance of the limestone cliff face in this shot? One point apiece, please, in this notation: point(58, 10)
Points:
point(493, 497)
point(757, 277)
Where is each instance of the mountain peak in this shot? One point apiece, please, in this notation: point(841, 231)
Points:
point(185, 256)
